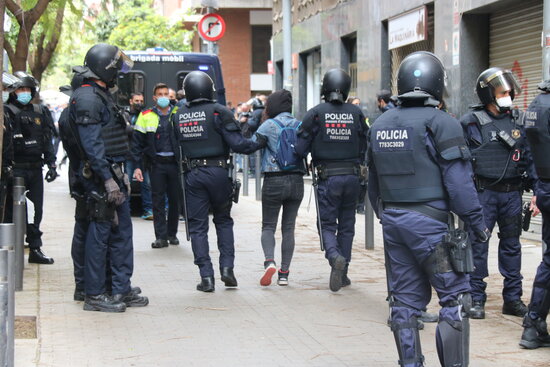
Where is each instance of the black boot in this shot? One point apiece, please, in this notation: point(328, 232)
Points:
point(345, 280)
point(159, 243)
point(132, 299)
point(535, 333)
point(228, 277)
point(79, 294)
point(173, 240)
point(514, 308)
point(338, 265)
point(478, 310)
point(206, 284)
point(103, 303)
point(36, 256)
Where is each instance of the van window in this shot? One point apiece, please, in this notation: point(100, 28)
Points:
point(132, 82)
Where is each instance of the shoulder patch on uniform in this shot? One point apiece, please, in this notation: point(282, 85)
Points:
point(482, 117)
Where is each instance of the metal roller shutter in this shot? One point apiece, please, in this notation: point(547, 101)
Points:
point(515, 43)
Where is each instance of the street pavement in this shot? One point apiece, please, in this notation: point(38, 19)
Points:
point(303, 324)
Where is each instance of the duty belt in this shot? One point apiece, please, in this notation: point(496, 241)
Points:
point(437, 214)
point(27, 165)
point(165, 159)
point(323, 171)
point(194, 163)
point(282, 173)
point(507, 186)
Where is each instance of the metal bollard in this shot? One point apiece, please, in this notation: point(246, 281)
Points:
point(245, 175)
point(369, 225)
point(4, 307)
point(7, 242)
point(258, 174)
point(20, 221)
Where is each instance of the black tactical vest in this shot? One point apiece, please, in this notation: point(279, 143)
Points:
point(197, 132)
point(337, 139)
point(28, 132)
point(406, 172)
point(113, 133)
point(537, 120)
point(493, 159)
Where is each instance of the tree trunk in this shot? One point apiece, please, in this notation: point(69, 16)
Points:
point(43, 54)
point(27, 20)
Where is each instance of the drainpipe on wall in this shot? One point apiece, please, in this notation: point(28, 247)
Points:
point(287, 45)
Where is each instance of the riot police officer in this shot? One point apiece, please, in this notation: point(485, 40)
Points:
point(32, 148)
point(494, 133)
point(103, 138)
point(9, 84)
point(206, 132)
point(537, 128)
point(336, 134)
point(419, 171)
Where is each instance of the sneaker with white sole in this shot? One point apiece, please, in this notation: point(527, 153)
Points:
point(270, 269)
point(282, 280)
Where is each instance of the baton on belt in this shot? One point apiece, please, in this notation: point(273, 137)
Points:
point(181, 162)
point(315, 184)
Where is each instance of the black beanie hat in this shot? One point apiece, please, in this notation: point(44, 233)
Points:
point(278, 102)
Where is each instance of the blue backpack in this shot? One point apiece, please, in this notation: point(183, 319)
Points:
point(286, 156)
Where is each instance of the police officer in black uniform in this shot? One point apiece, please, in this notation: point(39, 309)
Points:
point(9, 84)
point(537, 128)
point(103, 138)
point(419, 171)
point(336, 133)
point(32, 139)
point(494, 133)
point(206, 132)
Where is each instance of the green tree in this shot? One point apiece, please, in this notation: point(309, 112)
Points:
point(17, 43)
point(139, 27)
point(35, 45)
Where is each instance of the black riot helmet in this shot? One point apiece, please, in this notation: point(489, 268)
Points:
point(105, 61)
point(10, 82)
point(198, 86)
point(421, 75)
point(336, 85)
point(493, 78)
point(27, 81)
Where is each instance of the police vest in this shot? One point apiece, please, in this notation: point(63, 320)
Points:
point(28, 132)
point(198, 135)
point(493, 159)
point(537, 118)
point(337, 138)
point(406, 171)
point(113, 133)
point(148, 122)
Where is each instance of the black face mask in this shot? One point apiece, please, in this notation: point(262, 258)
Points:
point(137, 107)
point(173, 102)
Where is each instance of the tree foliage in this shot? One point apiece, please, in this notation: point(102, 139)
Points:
point(139, 27)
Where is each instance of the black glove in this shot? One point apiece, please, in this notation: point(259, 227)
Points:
point(52, 174)
point(114, 195)
point(483, 235)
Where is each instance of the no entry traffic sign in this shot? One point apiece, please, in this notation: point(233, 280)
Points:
point(211, 27)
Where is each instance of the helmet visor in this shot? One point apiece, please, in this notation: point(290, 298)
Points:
point(503, 80)
point(121, 62)
point(10, 82)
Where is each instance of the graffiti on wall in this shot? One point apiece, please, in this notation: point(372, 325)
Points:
point(523, 81)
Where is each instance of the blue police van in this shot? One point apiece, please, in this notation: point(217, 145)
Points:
point(170, 67)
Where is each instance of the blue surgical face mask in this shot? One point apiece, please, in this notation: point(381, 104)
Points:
point(24, 97)
point(5, 96)
point(163, 102)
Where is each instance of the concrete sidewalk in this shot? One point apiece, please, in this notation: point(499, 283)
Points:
point(303, 324)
